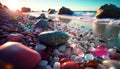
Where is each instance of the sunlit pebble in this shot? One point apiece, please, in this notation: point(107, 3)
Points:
point(112, 51)
point(62, 48)
point(106, 57)
point(91, 48)
point(73, 45)
point(78, 59)
point(81, 54)
point(56, 65)
point(92, 44)
point(39, 47)
point(72, 57)
point(43, 63)
point(75, 50)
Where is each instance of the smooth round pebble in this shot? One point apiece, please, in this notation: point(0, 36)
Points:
point(72, 57)
point(78, 59)
point(56, 65)
point(88, 57)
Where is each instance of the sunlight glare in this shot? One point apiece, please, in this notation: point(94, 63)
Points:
point(12, 4)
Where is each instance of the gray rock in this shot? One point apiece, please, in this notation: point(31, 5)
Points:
point(51, 11)
point(42, 16)
point(108, 11)
point(65, 10)
point(112, 64)
point(53, 38)
point(42, 23)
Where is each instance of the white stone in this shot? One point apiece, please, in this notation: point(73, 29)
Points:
point(56, 65)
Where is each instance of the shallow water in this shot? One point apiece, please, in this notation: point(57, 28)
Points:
point(108, 33)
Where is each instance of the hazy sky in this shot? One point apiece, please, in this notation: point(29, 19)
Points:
point(56, 4)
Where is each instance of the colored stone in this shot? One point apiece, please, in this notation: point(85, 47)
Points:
point(101, 47)
point(91, 63)
point(20, 56)
point(71, 65)
point(88, 57)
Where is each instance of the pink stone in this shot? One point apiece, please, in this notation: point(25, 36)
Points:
point(101, 48)
point(101, 53)
point(20, 56)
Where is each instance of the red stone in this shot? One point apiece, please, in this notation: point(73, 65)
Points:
point(63, 60)
point(91, 63)
point(20, 56)
point(115, 57)
point(71, 65)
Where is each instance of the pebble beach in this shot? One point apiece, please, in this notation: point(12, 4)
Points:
point(28, 42)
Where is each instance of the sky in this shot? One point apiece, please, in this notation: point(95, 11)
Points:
point(76, 5)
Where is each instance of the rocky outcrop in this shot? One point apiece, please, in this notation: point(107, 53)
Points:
point(24, 9)
point(51, 11)
point(108, 11)
point(53, 38)
point(42, 16)
point(65, 10)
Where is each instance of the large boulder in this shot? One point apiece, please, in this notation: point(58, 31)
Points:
point(51, 11)
point(25, 9)
point(42, 16)
point(65, 10)
point(108, 11)
point(42, 23)
point(53, 38)
point(19, 56)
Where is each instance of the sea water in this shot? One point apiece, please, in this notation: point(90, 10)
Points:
point(106, 29)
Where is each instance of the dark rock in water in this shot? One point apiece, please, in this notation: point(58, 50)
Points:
point(53, 38)
point(18, 55)
point(102, 41)
point(42, 16)
point(108, 11)
point(51, 11)
point(42, 23)
point(65, 10)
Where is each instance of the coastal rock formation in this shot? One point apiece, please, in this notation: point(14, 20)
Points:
point(24, 9)
point(19, 56)
point(53, 38)
point(51, 11)
point(42, 23)
point(65, 10)
point(108, 11)
point(42, 16)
